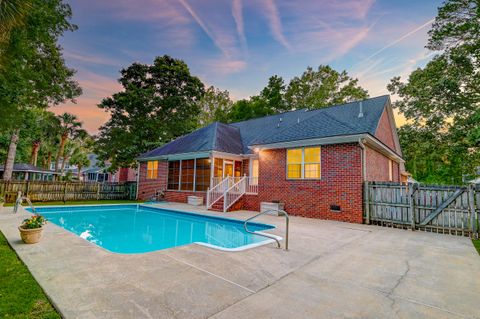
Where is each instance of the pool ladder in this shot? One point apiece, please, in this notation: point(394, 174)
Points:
point(20, 200)
point(279, 212)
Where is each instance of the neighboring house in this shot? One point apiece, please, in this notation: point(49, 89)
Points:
point(95, 173)
point(28, 172)
point(314, 161)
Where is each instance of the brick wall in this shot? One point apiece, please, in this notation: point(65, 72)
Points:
point(182, 196)
point(384, 131)
point(147, 187)
point(377, 167)
point(341, 184)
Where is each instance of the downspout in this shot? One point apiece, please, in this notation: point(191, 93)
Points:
point(361, 142)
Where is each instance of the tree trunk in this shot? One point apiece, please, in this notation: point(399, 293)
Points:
point(34, 156)
point(64, 159)
point(49, 160)
point(79, 167)
point(63, 140)
point(12, 150)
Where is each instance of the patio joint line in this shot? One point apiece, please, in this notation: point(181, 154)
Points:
point(211, 273)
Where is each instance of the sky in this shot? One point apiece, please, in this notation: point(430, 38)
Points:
point(236, 45)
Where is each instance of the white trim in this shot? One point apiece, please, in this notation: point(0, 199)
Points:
point(310, 142)
point(227, 156)
point(175, 157)
point(375, 144)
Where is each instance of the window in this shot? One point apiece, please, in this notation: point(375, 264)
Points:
point(254, 173)
point(218, 167)
point(152, 169)
point(173, 175)
point(238, 169)
point(304, 163)
point(202, 174)
point(390, 170)
point(187, 172)
point(294, 163)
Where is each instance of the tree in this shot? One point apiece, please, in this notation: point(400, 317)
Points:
point(70, 127)
point(323, 87)
point(80, 159)
point(159, 103)
point(34, 74)
point(273, 95)
point(441, 100)
point(12, 14)
point(215, 105)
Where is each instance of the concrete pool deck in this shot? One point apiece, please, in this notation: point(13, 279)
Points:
point(332, 270)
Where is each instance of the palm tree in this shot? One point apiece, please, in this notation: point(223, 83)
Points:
point(80, 159)
point(12, 14)
point(70, 127)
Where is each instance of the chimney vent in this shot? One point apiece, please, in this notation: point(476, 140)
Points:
point(360, 112)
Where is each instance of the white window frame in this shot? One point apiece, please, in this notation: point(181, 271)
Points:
point(302, 164)
point(390, 170)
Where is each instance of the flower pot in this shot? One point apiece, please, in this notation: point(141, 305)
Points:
point(30, 236)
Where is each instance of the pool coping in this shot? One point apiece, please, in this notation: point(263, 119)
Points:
point(211, 246)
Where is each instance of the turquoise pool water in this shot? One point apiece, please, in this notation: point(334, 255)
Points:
point(132, 229)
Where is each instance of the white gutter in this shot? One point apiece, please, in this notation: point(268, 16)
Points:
point(364, 158)
point(364, 173)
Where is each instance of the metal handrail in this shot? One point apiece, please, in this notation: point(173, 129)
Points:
point(20, 200)
point(287, 221)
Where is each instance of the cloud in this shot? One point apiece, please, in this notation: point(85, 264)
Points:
point(401, 38)
point(225, 66)
point(91, 59)
point(275, 23)
point(238, 17)
point(204, 27)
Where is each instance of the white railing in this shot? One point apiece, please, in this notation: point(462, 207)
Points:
point(234, 192)
point(217, 191)
point(216, 180)
point(252, 185)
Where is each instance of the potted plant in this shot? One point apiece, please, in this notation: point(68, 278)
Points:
point(31, 229)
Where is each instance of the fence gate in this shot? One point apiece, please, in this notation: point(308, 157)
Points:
point(443, 209)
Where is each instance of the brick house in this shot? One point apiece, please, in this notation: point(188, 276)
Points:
point(313, 161)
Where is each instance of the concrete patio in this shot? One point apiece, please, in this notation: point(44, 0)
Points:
point(333, 270)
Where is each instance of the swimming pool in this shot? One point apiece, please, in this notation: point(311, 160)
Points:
point(131, 229)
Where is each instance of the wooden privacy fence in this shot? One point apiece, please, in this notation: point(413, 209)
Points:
point(443, 209)
point(66, 191)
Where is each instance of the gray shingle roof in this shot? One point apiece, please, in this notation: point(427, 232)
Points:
point(301, 124)
point(25, 167)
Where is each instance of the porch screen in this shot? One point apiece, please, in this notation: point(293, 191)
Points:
point(202, 175)
point(188, 168)
point(173, 175)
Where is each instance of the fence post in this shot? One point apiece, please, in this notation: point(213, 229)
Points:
point(28, 188)
point(366, 194)
point(471, 204)
point(412, 188)
point(65, 192)
point(98, 190)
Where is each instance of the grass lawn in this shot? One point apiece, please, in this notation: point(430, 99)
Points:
point(476, 243)
point(84, 202)
point(20, 294)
